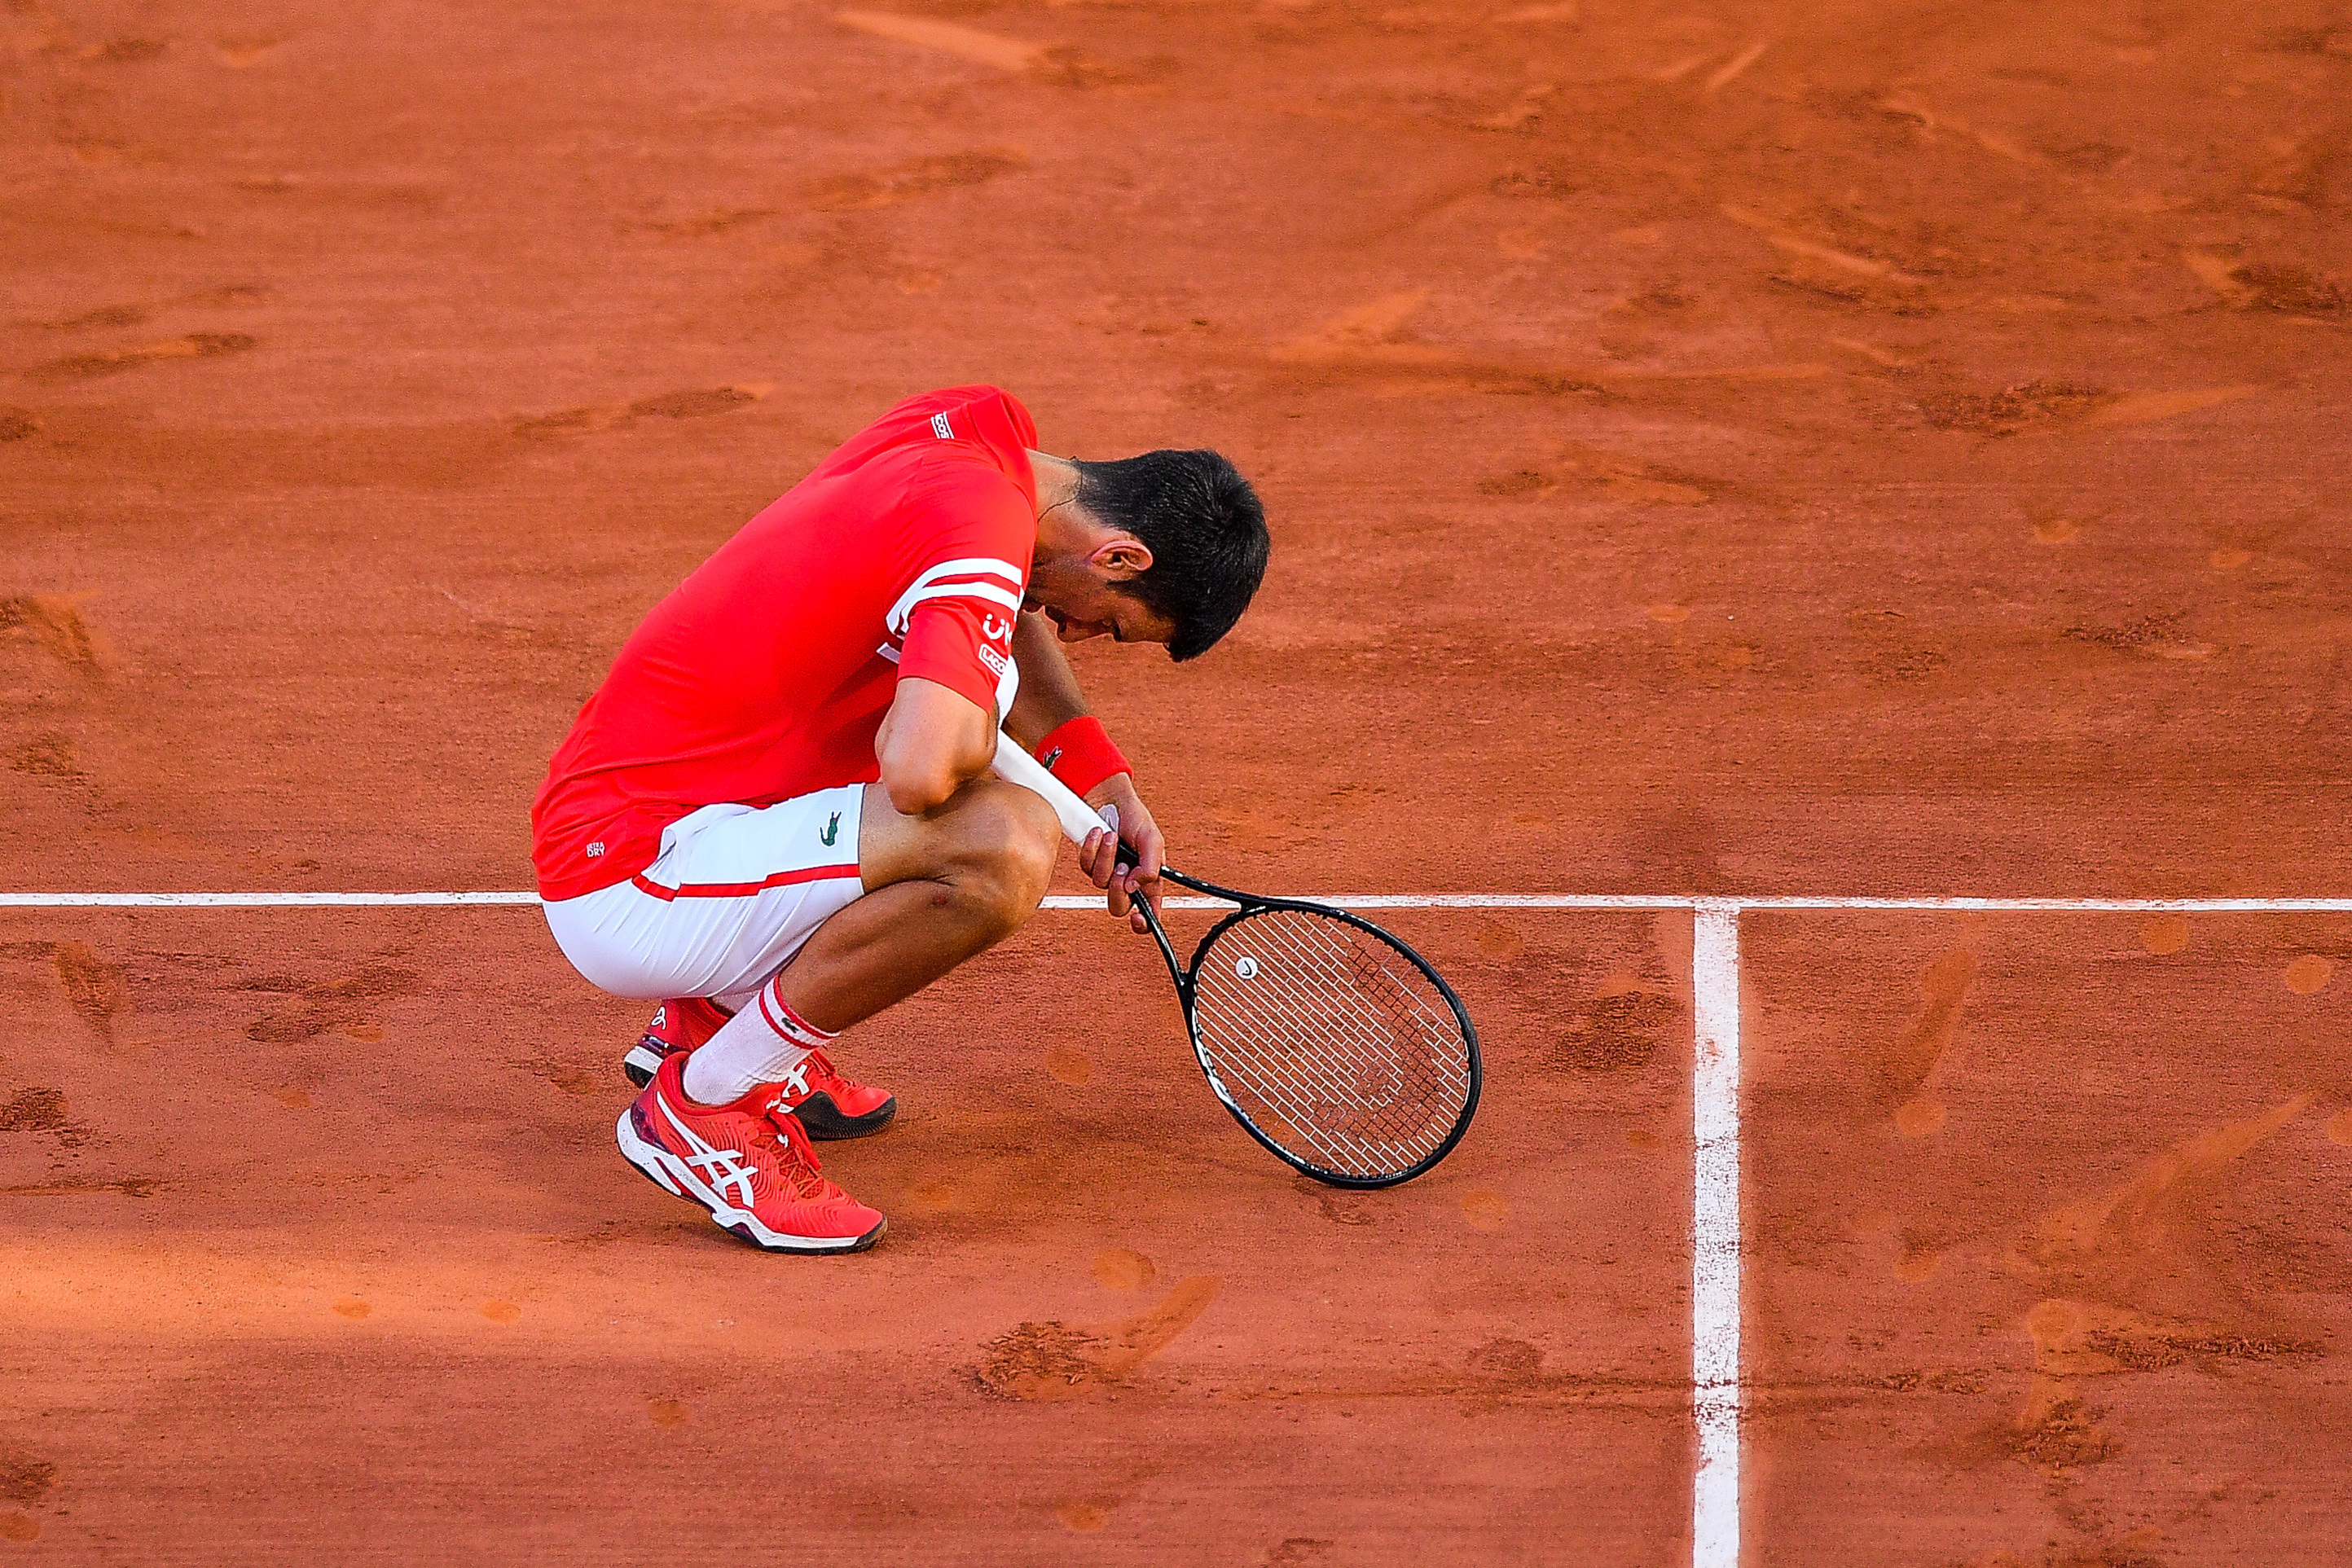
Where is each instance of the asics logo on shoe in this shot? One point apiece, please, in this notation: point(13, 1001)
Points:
point(797, 1080)
point(661, 1018)
point(722, 1168)
point(832, 830)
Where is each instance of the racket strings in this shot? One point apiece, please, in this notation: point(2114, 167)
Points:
point(1333, 1041)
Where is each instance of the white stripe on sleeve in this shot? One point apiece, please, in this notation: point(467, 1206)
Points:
point(927, 586)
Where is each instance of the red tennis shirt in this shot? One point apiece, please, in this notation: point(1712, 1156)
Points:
point(766, 675)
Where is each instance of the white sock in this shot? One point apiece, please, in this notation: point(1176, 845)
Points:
point(760, 1044)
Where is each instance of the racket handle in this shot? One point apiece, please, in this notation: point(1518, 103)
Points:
point(1015, 766)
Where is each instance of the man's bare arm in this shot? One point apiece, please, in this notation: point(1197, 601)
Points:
point(933, 741)
point(1049, 696)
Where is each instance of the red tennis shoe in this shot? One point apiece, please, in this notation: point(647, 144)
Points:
point(829, 1105)
point(749, 1165)
point(678, 1026)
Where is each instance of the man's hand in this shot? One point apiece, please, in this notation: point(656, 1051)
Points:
point(1099, 856)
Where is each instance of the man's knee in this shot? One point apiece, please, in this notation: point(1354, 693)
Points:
point(1005, 851)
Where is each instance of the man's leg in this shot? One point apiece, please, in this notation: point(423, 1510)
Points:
point(939, 888)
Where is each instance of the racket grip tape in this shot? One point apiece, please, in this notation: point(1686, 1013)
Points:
point(1015, 766)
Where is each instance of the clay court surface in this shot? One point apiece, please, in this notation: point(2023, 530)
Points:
point(1725, 452)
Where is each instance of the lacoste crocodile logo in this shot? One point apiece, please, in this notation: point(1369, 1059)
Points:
point(832, 831)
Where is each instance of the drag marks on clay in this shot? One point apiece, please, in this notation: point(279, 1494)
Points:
point(1337, 1206)
point(1737, 66)
point(1521, 114)
point(26, 1480)
point(1370, 334)
point(94, 989)
point(2027, 406)
point(136, 312)
point(1375, 339)
point(41, 1108)
point(569, 1077)
point(55, 623)
point(1012, 55)
point(718, 220)
point(2121, 1245)
point(2146, 407)
point(1590, 473)
point(2035, 406)
point(1809, 250)
point(700, 403)
point(1055, 64)
point(2156, 635)
point(346, 1004)
point(2339, 1128)
point(2263, 286)
point(1930, 121)
point(189, 346)
point(126, 51)
point(1050, 1361)
point(52, 759)
point(1621, 1027)
point(2078, 1342)
point(1509, 1360)
point(877, 188)
point(125, 1187)
point(1904, 1081)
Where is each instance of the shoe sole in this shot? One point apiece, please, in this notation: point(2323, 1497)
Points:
point(818, 1115)
point(823, 1120)
point(675, 1177)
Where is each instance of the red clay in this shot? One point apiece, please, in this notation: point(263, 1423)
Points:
point(1847, 449)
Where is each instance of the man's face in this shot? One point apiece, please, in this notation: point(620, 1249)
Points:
point(1094, 608)
point(1085, 598)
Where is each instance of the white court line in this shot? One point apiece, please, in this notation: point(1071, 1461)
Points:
point(1716, 1270)
point(1715, 1235)
point(1336, 900)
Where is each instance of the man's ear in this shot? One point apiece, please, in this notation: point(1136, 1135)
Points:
point(1121, 559)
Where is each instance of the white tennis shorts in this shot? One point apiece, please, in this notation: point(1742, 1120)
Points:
point(736, 891)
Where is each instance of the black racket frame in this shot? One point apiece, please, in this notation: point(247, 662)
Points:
point(1186, 979)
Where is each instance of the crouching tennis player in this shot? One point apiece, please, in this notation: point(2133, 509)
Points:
point(776, 816)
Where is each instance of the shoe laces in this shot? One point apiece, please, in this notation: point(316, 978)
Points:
point(799, 1164)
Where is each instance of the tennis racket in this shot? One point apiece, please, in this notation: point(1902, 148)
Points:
point(1334, 1045)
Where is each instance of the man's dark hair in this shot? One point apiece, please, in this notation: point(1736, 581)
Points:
point(1205, 531)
